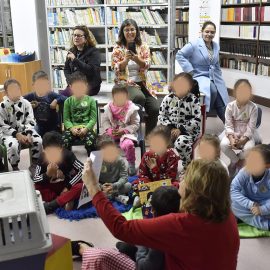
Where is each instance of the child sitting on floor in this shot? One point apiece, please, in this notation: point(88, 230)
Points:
point(113, 176)
point(58, 174)
point(44, 102)
point(240, 125)
point(80, 114)
point(121, 121)
point(17, 125)
point(209, 149)
point(160, 162)
point(165, 200)
point(250, 189)
point(181, 112)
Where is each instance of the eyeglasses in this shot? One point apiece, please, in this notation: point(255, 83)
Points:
point(77, 35)
point(130, 30)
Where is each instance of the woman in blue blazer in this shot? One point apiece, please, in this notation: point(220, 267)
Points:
point(201, 58)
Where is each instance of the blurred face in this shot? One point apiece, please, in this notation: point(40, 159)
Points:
point(181, 87)
point(53, 154)
point(208, 33)
point(110, 153)
point(79, 89)
point(78, 38)
point(243, 94)
point(158, 144)
point(120, 99)
point(207, 151)
point(130, 33)
point(14, 92)
point(42, 87)
point(255, 164)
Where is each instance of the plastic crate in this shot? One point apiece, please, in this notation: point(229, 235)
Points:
point(24, 229)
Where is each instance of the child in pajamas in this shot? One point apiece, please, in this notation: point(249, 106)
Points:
point(58, 174)
point(250, 189)
point(161, 161)
point(240, 125)
point(181, 112)
point(80, 114)
point(113, 176)
point(17, 124)
point(121, 121)
point(44, 102)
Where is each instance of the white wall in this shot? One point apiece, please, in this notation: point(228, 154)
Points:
point(261, 84)
point(24, 22)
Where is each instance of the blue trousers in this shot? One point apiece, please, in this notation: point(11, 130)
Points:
point(217, 102)
point(260, 222)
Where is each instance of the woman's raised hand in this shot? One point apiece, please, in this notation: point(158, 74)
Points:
point(89, 178)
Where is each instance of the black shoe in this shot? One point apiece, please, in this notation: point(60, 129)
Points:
point(2, 166)
point(75, 247)
point(127, 249)
point(15, 168)
point(50, 207)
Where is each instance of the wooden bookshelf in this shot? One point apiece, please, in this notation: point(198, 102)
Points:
point(254, 45)
point(102, 31)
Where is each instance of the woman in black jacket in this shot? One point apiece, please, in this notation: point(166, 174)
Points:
point(84, 57)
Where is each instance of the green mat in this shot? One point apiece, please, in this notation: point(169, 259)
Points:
point(133, 214)
point(246, 231)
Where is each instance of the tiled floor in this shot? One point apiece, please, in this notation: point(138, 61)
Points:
point(253, 255)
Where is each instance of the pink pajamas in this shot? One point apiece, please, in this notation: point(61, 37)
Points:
point(126, 145)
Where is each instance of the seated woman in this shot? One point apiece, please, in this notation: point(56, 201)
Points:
point(130, 61)
point(83, 57)
point(205, 228)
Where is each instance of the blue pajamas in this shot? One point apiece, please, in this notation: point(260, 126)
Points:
point(245, 192)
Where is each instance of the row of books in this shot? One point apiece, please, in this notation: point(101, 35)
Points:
point(155, 77)
point(239, 48)
point(60, 37)
point(118, 2)
point(263, 69)
point(142, 17)
point(241, 65)
point(59, 79)
point(246, 14)
point(239, 31)
point(73, 2)
point(182, 2)
point(158, 58)
point(181, 29)
point(88, 16)
point(58, 56)
point(180, 42)
point(264, 51)
point(228, 2)
point(181, 15)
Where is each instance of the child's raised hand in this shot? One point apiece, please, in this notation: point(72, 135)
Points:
point(175, 132)
point(53, 105)
point(89, 178)
point(151, 163)
point(21, 138)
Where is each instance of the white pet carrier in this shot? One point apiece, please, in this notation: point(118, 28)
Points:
point(23, 226)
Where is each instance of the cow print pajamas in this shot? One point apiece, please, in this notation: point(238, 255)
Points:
point(17, 117)
point(185, 115)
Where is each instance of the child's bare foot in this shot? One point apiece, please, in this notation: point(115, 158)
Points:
point(69, 206)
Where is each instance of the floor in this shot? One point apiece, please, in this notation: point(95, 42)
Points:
point(254, 253)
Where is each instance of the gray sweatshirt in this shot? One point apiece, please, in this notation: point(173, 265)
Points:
point(115, 173)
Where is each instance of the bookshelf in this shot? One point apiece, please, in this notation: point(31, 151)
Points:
point(6, 33)
point(104, 18)
point(245, 36)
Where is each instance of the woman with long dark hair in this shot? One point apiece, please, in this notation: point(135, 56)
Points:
point(83, 56)
point(130, 61)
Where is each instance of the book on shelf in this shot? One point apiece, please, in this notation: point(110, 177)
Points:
point(88, 16)
point(180, 42)
point(181, 29)
point(73, 2)
point(151, 40)
point(240, 14)
point(182, 2)
point(142, 17)
point(263, 69)
point(59, 79)
point(238, 47)
point(119, 2)
point(265, 14)
point(181, 15)
point(113, 35)
point(232, 2)
point(60, 37)
point(158, 58)
point(239, 31)
point(58, 56)
point(241, 65)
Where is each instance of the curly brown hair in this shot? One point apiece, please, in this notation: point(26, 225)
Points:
point(90, 38)
point(207, 191)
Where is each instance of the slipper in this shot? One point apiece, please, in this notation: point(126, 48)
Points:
point(75, 247)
